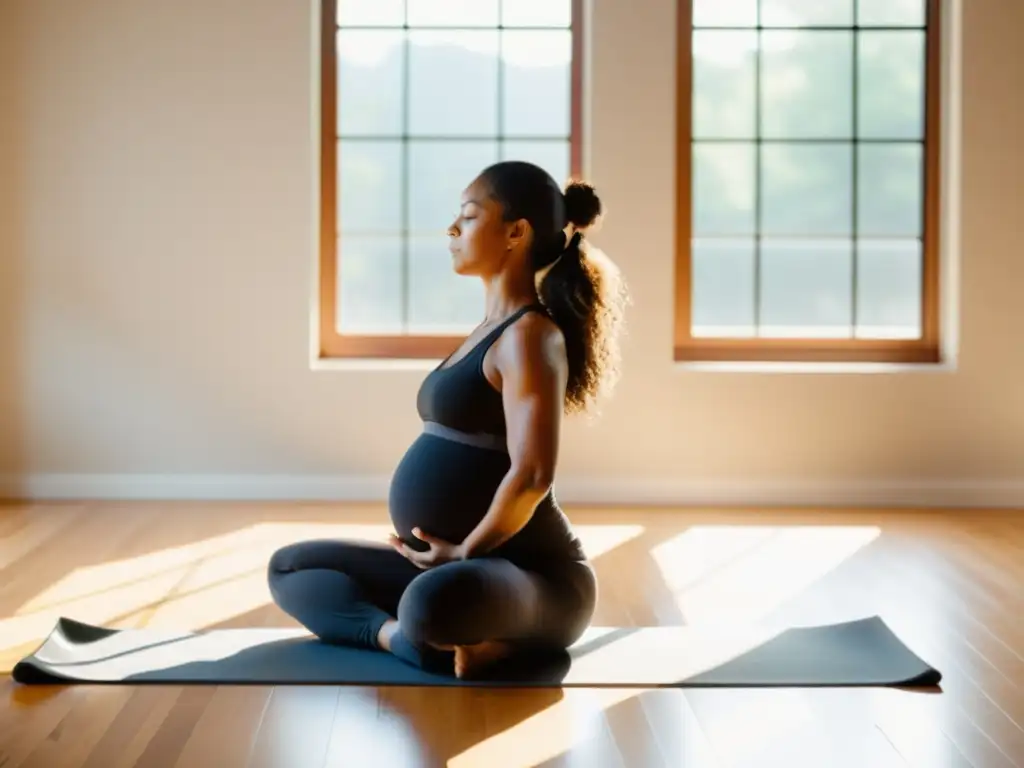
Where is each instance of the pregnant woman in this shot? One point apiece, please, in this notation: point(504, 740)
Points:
point(483, 562)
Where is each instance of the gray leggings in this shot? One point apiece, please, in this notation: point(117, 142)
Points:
point(344, 591)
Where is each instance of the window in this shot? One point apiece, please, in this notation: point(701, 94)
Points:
point(418, 96)
point(808, 181)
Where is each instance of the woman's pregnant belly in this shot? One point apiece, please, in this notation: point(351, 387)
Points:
point(443, 487)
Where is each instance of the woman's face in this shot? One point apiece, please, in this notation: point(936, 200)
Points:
point(481, 242)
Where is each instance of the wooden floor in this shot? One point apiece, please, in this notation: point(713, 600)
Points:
point(948, 583)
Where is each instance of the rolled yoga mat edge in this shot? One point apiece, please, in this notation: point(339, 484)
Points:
point(857, 653)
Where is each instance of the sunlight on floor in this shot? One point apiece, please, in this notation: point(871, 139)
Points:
point(198, 585)
point(252, 545)
point(601, 539)
point(652, 655)
point(577, 718)
point(743, 573)
point(187, 587)
point(547, 734)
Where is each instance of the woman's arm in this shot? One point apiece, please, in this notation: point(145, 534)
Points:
point(530, 358)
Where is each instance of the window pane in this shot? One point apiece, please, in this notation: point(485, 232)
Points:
point(723, 189)
point(806, 288)
point(807, 84)
point(537, 86)
point(552, 156)
point(806, 189)
point(440, 301)
point(891, 69)
point(806, 13)
point(536, 13)
point(439, 171)
point(724, 71)
point(909, 13)
point(723, 288)
point(453, 13)
point(370, 82)
point(369, 186)
point(371, 13)
point(369, 285)
point(453, 83)
point(890, 184)
point(725, 13)
point(889, 289)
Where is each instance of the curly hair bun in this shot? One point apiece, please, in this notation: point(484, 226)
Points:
point(582, 205)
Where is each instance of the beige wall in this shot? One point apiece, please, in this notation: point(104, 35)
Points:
point(151, 149)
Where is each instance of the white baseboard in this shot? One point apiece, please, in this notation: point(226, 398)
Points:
point(571, 490)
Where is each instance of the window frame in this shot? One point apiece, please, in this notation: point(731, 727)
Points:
point(333, 344)
point(925, 349)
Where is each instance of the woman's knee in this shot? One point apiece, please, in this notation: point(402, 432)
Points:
point(280, 565)
point(312, 553)
point(289, 557)
point(287, 560)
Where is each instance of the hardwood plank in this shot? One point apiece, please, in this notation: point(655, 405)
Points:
point(430, 726)
point(633, 734)
point(677, 731)
point(296, 727)
point(32, 717)
point(577, 733)
point(70, 742)
point(165, 747)
point(225, 733)
point(360, 737)
point(128, 736)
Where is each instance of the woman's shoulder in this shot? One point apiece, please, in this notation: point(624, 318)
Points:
point(533, 340)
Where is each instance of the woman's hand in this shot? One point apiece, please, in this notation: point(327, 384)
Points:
point(440, 551)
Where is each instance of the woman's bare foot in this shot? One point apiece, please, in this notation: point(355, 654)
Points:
point(385, 633)
point(470, 658)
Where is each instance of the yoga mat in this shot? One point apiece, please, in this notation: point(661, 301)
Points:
point(855, 653)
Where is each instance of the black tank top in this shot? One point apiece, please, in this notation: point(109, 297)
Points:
point(459, 396)
point(447, 479)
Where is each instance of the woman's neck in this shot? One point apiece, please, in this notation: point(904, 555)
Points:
point(505, 293)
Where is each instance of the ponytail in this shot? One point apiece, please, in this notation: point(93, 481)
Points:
point(586, 297)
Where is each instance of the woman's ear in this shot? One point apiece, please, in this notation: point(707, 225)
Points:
point(518, 233)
